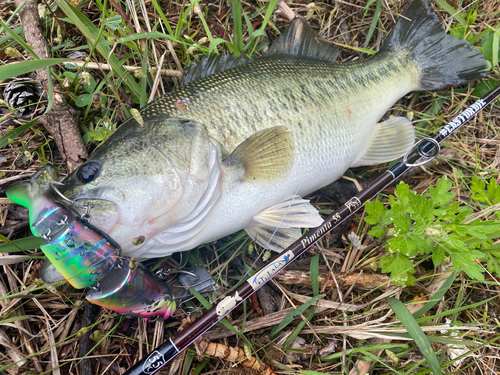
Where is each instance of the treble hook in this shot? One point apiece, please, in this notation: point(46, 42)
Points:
point(86, 216)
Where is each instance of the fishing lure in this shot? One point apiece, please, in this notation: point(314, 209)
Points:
point(88, 257)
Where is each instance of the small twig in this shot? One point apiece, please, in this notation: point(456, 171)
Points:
point(14, 227)
point(15, 354)
point(62, 120)
point(286, 10)
point(24, 174)
point(98, 66)
point(85, 365)
point(365, 281)
point(54, 360)
point(5, 201)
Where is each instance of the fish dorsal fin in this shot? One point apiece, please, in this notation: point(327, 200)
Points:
point(393, 138)
point(277, 227)
point(212, 65)
point(265, 156)
point(301, 41)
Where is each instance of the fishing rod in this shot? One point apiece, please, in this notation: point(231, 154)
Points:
point(423, 151)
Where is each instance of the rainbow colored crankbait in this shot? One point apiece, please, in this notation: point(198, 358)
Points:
point(88, 257)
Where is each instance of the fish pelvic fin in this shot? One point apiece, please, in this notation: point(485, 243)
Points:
point(393, 138)
point(301, 41)
point(265, 156)
point(277, 227)
point(441, 59)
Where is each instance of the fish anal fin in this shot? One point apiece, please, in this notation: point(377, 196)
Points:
point(265, 156)
point(301, 41)
point(393, 138)
point(278, 226)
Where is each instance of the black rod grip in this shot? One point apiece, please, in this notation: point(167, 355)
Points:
point(155, 360)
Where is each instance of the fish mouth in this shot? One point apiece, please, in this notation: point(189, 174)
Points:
point(101, 212)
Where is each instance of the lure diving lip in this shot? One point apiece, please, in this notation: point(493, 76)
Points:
point(131, 289)
point(88, 257)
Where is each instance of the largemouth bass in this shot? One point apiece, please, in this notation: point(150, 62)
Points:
point(239, 144)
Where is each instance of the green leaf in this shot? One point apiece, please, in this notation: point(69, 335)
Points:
point(377, 232)
point(421, 210)
point(83, 100)
point(20, 68)
point(4, 141)
point(237, 32)
point(484, 87)
point(416, 333)
point(449, 213)
point(453, 12)
point(375, 20)
point(403, 245)
point(466, 262)
point(402, 192)
point(299, 327)
point(438, 255)
point(437, 296)
point(423, 243)
point(115, 22)
point(376, 212)
point(401, 221)
point(400, 268)
point(292, 315)
point(479, 187)
point(478, 228)
point(440, 195)
point(493, 191)
point(314, 268)
point(200, 298)
point(492, 264)
point(28, 243)
point(490, 44)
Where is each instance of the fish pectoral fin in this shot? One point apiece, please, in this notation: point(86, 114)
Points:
point(392, 140)
point(277, 227)
point(265, 156)
point(301, 41)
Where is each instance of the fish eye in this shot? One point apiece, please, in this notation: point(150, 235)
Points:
point(88, 172)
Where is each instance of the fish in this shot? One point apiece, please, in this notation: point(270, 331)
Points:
point(242, 141)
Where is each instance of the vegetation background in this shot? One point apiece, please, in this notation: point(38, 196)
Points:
point(332, 312)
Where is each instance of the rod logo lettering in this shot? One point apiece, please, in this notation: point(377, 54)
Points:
point(153, 362)
point(268, 271)
point(352, 204)
point(336, 218)
point(462, 118)
point(321, 231)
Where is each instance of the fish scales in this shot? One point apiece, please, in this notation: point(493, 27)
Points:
point(306, 96)
point(240, 144)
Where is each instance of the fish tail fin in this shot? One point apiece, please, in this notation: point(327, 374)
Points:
point(442, 60)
